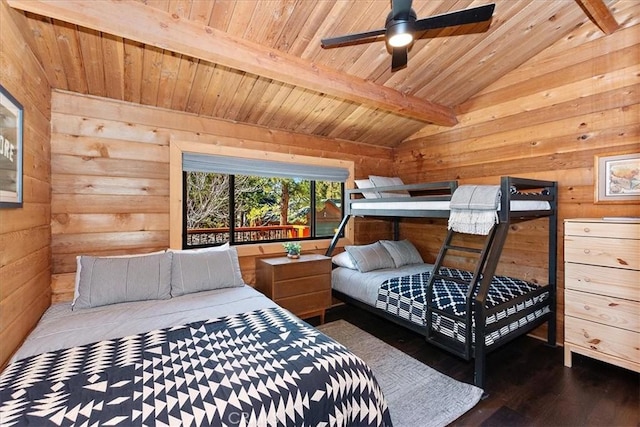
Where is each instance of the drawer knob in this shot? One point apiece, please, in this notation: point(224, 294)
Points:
point(586, 307)
point(586, 251)
point(587, 229)
point(587, 279)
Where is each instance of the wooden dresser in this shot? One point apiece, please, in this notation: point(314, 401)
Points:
point(602, 290)
point(302, 286)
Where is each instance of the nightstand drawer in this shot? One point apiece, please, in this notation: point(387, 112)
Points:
point(295, 269)
point(308, 303)
point(618, 283)
point(603, 339)
point(610, 311)
point(301, 286)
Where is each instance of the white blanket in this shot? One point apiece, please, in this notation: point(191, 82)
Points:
point(474, 209)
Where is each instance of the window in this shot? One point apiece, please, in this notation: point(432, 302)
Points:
point(273, 202)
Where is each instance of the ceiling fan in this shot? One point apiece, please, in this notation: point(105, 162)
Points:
point(402, 26)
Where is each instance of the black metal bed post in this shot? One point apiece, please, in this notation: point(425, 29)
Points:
point(336, 237)
point(553, 264)
point(495, 250)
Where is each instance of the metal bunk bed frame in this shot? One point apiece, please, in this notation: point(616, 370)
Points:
point(487, 262)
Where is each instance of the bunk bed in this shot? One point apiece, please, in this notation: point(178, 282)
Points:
point(468, 313)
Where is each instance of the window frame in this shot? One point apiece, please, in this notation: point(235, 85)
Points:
point(176, 208)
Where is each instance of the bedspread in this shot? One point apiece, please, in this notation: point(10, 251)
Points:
point(263, 367)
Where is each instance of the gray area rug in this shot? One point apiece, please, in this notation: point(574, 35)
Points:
point(417, 394)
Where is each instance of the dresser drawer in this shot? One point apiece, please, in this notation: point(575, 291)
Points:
point(603, 339)
point(301, 286)
point(618, 253)
point(613, 230)
point(616, 312)
point(618, 283)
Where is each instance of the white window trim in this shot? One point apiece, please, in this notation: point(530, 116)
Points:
point(177, 147)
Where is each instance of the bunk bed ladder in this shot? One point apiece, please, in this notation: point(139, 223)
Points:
point(486, 263)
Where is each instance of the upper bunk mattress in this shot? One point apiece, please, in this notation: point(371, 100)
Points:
point(439, 205)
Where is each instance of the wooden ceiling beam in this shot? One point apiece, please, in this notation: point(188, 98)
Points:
point(135, 21)
point(600, 14)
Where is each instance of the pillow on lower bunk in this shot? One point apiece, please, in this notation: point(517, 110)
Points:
point(403, 252)
point(370, 257)
point(343, 259)
point(195, 271)
point(110, 280)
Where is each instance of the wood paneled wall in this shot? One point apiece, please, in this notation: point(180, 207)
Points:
point(110, 175)
point(547, 120)
point(25, 234)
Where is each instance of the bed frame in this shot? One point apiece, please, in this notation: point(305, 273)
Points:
point(487, 260)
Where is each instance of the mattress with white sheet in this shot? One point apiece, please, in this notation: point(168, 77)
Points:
point(438, 205)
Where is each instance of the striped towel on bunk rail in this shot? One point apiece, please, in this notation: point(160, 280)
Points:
point(474, 209)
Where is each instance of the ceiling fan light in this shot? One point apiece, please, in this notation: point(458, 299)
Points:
point(400, 40)
point(399, 34)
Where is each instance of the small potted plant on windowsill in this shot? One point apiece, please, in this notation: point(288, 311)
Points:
point(293, 249)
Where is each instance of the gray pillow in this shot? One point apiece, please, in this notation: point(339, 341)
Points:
point(111, 280)
point(370, 257)
point(402, 251)
point(204, 270)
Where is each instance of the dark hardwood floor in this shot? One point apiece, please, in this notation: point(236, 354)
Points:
point(527, 382)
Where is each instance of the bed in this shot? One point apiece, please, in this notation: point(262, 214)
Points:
point(468, 313)
point(220, 356)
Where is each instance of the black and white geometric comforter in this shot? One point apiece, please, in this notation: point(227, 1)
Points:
point(259, 368)
point(406, 297)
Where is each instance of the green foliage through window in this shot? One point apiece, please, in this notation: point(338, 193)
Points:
point(264, 209)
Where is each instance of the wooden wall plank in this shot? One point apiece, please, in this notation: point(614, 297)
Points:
point(110, 176)
point(25, 233)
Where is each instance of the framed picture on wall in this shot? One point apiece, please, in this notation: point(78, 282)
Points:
point(617, 178)
point(10, 151)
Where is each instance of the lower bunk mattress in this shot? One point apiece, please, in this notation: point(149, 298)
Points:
point(247, 362)
point(513, 303)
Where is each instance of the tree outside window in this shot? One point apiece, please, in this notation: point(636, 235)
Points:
point(259, 209)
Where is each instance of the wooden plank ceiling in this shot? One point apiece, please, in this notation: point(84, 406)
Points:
point(260, 61)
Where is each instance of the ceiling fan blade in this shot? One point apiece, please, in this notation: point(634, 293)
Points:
point(399, 58)
point(334, 41)
point(400, 8)
point(461, 17)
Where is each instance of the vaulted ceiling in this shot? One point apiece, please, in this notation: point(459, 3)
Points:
point(260, 61)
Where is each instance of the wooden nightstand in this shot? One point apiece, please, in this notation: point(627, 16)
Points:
point(302, 286)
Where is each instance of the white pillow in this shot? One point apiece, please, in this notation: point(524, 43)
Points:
point(370, 257)
point(343, 259)
point(195, 271)
point(365, 183)
point(388, 181)
point(403, 252)
point(111, 280)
